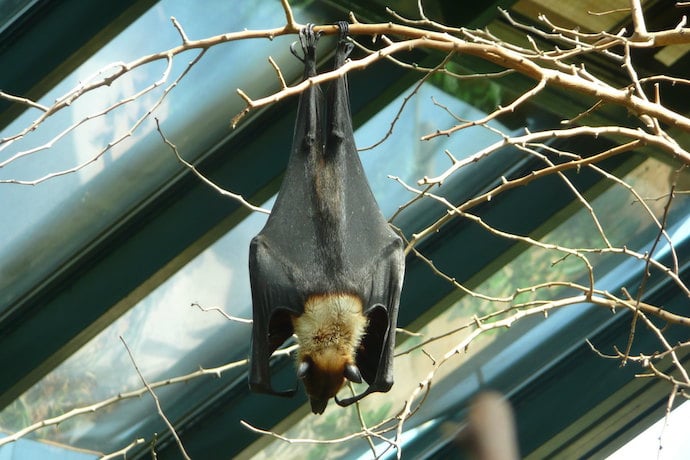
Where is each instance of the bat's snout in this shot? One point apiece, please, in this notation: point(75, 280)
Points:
point(318, 405)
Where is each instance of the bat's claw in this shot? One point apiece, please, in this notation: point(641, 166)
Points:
point(309, 35)
point(293, 50)
point(344, 45)
point(344, 27)
point(307, 39)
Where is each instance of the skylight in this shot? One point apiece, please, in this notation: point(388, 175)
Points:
point(174, 318)
point(44, 226)
point(666, 439)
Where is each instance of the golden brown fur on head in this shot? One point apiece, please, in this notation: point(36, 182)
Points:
point(328, 332)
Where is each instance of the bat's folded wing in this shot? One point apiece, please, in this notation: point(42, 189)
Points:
point(375, 356)
point(274, 301)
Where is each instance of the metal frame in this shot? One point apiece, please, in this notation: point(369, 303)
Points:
point(51, 322)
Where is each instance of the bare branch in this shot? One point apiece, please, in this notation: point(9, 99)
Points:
point(214, 371)
point(273, 63)
point(123, 452)
point(638, 18)
point(180, 30)
point(407, 98)
point(234, 196)
point(223, 313)
point(607, 12)
point(357, 435)
point(290, 24)
point(155, 399)
point(23, 101)
point(594, 131)
point(120, 139)
point(493, 115)
point(646, 274)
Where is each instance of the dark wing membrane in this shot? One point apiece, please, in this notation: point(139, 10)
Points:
point(291, 230)
point(376, 352)
point(325, 234)
point(274, 300)
point(281, 254)
point(373, 259)
point(375, 357)
point(367, 232)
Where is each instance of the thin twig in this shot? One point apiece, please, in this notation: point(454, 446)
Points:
point(89, 409)
point(646, 273)
point(407, 98)
point(123, 452)
point(234, 196)
point(493, 115)
point(362, 423)
point(290, 24)
point(23, 100)
point(638, 17)
point(273, 63)
point(180, 30)
point(222, 312)
point(155, 399)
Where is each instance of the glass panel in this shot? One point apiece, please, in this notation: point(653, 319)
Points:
point(46, 225)
point(169, 338)
point(10, 10)
point(666, 439)
point(403, 155)
point(28, 449)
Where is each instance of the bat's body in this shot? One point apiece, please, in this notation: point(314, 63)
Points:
point(327, 266)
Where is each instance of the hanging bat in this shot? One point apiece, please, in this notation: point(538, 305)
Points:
point(326, 266)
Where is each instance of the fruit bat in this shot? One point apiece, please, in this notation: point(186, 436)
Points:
point(326, 266)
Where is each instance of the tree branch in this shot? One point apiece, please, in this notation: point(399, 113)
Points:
point(156, 401)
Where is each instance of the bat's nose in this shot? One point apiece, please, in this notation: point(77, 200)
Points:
point(318, 405)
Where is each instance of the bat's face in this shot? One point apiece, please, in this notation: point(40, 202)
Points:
point(328, 332)
point(321, 383)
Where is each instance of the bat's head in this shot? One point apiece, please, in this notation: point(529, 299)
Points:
point(324, 376)
point(329, 333)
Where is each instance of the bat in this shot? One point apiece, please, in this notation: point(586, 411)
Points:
point(326, 266)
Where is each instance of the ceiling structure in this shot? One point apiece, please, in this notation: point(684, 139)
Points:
point(109, 258)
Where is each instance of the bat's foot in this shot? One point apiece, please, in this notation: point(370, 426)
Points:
point(344, 45)
point(344, 29)
point(307, 39)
